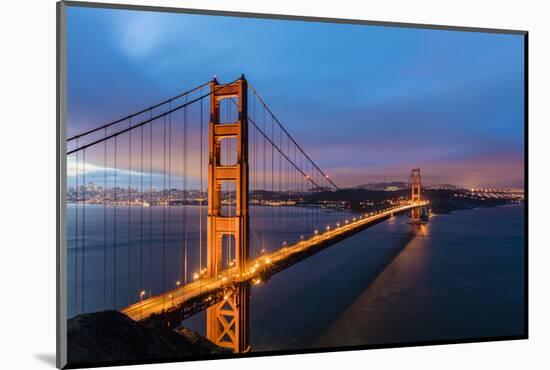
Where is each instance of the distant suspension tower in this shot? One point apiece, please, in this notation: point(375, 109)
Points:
point(417, 214)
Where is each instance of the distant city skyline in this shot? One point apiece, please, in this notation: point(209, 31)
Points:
point(156, 187)
point(367, 103)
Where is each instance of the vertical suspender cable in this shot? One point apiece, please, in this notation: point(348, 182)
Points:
point(76, 235)
point(83, 226)
point(264, 183)
point(200, 191)
point(115, 229)
point(255, 135)
point(150, 270)
point(185, 194)
point(280, 209)
point(141, 216)
point(272, 176)
point(105, 222)
point(129, 262)
point(229, 160)
point(169, 176)
point(164, 211)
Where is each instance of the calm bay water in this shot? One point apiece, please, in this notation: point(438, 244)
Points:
point(114, 253)
point(459, 276)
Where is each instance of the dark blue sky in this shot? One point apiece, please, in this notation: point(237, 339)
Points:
point(367, 103)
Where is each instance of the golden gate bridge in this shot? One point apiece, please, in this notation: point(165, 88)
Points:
point(218, 147)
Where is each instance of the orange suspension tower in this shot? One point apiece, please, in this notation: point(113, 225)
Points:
point(416, 183)
point(227, 321)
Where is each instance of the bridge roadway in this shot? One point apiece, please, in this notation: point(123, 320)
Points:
point(265, 265)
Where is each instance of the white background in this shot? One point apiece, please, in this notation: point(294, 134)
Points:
point(27, 181)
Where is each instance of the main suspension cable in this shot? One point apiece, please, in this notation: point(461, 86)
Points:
point(105, 126)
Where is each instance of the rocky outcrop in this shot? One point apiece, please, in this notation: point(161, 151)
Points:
point(110, 336)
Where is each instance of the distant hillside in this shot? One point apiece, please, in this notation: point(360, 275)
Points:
point(394, 185)
point(442, 187)
point(110, 336)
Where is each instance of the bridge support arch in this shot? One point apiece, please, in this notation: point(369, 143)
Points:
point(227, 321)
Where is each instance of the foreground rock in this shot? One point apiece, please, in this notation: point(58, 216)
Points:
point(110, 336)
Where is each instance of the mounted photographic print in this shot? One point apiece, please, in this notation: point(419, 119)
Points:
point(234, 185)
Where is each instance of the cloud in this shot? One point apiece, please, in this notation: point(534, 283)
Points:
point(141, 34)
point(93, 173)
point(75, 169)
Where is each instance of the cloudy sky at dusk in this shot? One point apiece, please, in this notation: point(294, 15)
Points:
point(367, 103)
